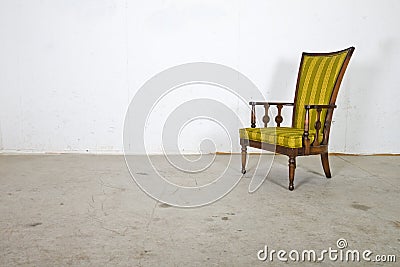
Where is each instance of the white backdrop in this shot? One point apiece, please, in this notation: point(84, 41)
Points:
point(69, 68)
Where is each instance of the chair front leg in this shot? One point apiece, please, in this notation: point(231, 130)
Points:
point(244, 156)
point(292, 167)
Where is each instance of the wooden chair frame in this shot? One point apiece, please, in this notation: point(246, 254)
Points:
point(317, 147)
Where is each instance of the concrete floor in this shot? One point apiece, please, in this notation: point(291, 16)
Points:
point(86, 210)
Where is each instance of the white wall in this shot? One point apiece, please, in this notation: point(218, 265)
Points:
point(68, 69)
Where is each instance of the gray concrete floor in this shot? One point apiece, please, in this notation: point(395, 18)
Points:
point(86, 210)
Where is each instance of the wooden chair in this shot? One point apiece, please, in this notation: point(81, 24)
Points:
point(318, 82)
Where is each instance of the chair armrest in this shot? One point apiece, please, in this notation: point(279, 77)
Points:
point(266, 119)
point(317, 125)
point(271, 103)
point(319, 106)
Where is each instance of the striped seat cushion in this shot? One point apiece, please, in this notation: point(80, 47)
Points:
point(282, 136)
point(318, 75)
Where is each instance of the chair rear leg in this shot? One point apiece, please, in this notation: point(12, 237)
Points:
point(292, 167)
point(325, 165)
point(244, 156)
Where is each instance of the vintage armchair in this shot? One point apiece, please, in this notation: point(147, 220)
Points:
point(318, 82)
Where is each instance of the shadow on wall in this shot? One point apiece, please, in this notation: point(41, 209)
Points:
point(1, 140)
point(282, 87)
point(366, 98)
point(358, 102)
point(283, 80)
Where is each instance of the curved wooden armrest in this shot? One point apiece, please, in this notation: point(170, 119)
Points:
point(319, 106)
point(271, 103)
point(317, 125)
point(266, 119)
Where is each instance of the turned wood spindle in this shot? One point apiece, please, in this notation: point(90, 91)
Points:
point(317, 126)
point(253, 115)
point(266, 118)
point(279, 118)
point(306, 140)
point(327, 126)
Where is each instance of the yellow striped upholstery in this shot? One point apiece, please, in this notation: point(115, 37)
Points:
point(318, 75)
point(283, 136)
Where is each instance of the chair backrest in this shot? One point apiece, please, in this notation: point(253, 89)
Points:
point(318, 82)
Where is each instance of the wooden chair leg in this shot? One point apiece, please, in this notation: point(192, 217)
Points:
point(325, 165)
point(244, 155)
point(292, 167)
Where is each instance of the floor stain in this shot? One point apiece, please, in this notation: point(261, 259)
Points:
point(224, 218)
point(360, 207)
point(34, 224)
point(142, 173)
point(397, 224)
point(144, 253)
point(164, 205)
